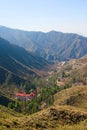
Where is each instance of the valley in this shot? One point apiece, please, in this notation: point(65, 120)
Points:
point(43, 80)
point(68, 109)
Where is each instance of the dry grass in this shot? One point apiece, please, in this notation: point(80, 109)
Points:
point(53, 117)
point(48, 119)
point(9, 119)
point(58, 117)
point(74, 96)
point(81, 126)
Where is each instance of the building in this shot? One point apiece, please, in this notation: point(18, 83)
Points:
point(24, 96)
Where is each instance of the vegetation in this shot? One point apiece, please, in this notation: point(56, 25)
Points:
point(54, 117)
point(9, 119)
point(17, 65)
point(81, 126)
point(68, 112)
point(43, 100)
point(61, 96)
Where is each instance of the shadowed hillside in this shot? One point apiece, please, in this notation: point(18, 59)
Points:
point(17, 65)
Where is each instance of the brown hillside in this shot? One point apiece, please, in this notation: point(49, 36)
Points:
point(74, 96)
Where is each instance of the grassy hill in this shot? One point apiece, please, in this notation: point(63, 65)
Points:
point(9, 119)
point(69, 112)
point(48, 119)
point(74, 96)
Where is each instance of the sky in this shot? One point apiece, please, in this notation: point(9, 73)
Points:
point(45, 15)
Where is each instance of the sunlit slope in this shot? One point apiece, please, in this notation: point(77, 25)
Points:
point(74, 96)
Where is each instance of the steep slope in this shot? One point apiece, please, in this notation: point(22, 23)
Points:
point(52, 45)
point(8, 77)
point(16, 64)
point(19, 54)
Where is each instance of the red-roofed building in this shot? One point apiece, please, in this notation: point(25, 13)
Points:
point(24, 96)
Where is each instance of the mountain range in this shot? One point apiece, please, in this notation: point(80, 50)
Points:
point(52, 45)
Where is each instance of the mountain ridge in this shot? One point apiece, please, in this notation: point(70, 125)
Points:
point(51, 45)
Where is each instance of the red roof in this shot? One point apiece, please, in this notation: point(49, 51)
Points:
point(25, 95)
point(21, 94)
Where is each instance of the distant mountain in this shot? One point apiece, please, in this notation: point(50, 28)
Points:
point(51, 46)
point(16, 64)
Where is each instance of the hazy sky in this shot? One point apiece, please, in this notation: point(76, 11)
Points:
point(45, 15)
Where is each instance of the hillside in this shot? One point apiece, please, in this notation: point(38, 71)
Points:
point(71, 73)
point(55, 116)
point(69, 111)
point(8, 118)
point(51, 46)
point(65, 110)
point(79, 70)
point(62, 115)
point(74, 96)
point(17, 65)
point(10, 77)
point(20, 55)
